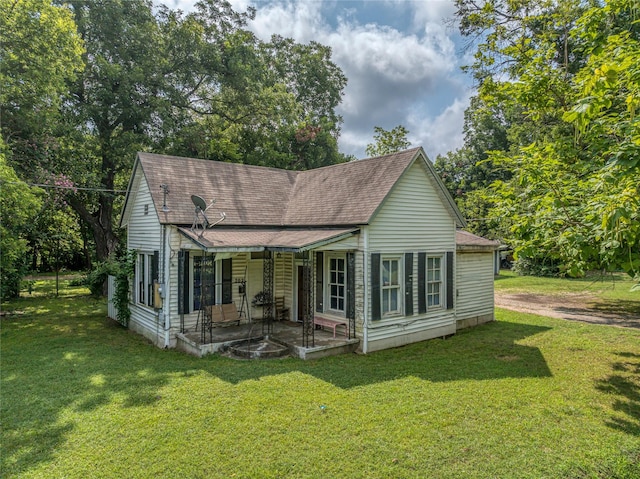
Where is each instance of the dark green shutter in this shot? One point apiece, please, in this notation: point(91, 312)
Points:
point(375, 287)
point(408, 284)
point(155, 266)
point(227, 272)
point(422, 283)
point(319, 282)
point(183, 282)
point(450, 279)
point(351, 285)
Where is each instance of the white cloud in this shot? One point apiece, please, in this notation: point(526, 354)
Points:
point(442, 133)
point(409, 77)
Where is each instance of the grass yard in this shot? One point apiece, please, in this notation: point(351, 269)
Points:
point(522, 397)
point(605, 287)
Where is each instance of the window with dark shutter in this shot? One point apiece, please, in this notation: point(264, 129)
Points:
point(183, 282)
point(449, 286)
point(319, 281)
point(408, 284)
point(227, 295)
point(376, 313)
point(351, 285)
point(422, 284)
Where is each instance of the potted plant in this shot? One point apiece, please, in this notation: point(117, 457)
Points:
point(261, 298)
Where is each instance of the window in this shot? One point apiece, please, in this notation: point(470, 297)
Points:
point(141, 268)
point(202, 280)
point(204, 273)
point(434, 281)
point(146, 275)
point(390, 286)
point(337, 283)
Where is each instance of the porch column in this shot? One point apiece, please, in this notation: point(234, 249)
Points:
point(267, 288)
point(308, 328)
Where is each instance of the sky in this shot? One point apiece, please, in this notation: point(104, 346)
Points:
point(402, 60)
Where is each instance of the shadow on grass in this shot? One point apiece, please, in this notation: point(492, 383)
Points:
point(630, 309)
point(70, 359)
point(484, 353)
point(625, 385)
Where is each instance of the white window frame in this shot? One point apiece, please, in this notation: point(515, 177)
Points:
point(435, 281)
point(328, 296)
point(387, 287)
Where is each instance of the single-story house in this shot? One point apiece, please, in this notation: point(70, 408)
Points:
point(373, 249)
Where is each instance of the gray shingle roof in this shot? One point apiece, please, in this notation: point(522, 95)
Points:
point(257, 239)
point(346, 194)
point(466, 241)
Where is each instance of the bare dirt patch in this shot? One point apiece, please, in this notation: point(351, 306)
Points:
point(574, 307)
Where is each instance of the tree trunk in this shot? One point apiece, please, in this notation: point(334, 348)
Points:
point(101, 224)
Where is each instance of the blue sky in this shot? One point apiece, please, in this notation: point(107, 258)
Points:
point(402, 60)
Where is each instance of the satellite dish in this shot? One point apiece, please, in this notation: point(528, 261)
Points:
point(199, 202)
point(201, 207)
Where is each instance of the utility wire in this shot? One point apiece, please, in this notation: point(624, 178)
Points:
point(59, 187)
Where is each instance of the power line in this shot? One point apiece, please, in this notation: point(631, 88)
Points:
point(74, 188)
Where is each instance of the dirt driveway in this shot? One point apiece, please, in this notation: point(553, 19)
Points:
point(576, 307)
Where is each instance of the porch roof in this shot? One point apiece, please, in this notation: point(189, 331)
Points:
point(268, 239)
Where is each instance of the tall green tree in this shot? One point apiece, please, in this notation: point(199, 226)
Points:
point(18, 207)
point(388, 141)
point(40, 50)
point(571, 200)
point(197, 84)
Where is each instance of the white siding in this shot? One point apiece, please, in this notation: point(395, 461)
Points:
point(347, 244)
point(412, 219)
point(144, 234)
point(475, 286)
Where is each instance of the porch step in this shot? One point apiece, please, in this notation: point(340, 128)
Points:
point(259, 349)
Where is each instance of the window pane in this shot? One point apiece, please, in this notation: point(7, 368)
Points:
point(394, 299)
point(385, 301)
point(394, 272)
point(337, 282)
point(385, 273)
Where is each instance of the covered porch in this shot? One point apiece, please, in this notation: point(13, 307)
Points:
point(287, 336)
point(277, 297)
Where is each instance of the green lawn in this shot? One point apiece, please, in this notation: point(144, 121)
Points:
point(522, 397)
point(603, 286)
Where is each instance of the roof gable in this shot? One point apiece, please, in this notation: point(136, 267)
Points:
point(347, 193)
point(337, 195)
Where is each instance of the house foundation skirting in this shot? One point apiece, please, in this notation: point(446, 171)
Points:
point(474, 321)
point(413, 337)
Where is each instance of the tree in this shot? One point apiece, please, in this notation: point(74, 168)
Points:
point(39, 52)
point(197, 84)
point(571, 204)
point(18, 205)
point(388, 141)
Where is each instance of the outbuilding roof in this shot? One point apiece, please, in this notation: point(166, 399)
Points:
point(466, 241)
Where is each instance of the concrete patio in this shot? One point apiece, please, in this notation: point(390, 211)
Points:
point(286, 333)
